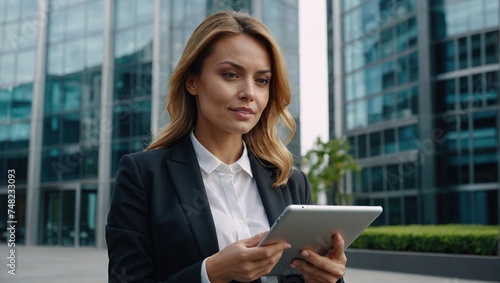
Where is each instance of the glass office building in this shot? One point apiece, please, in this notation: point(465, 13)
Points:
point(83, 82)
point(414, 86)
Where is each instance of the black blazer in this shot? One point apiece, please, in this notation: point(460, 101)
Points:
point(160, 226)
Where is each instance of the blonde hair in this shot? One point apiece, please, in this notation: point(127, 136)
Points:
point(263, 140)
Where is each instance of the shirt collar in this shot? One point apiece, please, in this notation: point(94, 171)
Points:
point(209, 162)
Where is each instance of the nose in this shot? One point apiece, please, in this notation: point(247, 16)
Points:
point(247, 90)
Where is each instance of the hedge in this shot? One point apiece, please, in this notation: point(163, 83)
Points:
point(450, 238)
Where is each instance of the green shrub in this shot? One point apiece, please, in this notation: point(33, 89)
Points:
point(451, 238)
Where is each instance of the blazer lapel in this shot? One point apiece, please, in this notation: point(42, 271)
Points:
point(272, 198)
point(188, 183)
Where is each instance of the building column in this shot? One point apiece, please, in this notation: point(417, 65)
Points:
point(338, 71)
point(426, 129)
point(156, 103)
point(36, 130)
point(105, 124)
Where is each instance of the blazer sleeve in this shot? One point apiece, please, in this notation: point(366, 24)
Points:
point(129, 232)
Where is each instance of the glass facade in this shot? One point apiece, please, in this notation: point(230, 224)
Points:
point(89, 47)
point(387, 119)
point(17, 65)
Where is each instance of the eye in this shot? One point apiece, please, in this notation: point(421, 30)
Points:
point(262, 81)
point(230, 75)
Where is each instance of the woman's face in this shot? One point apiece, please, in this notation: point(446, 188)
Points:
point(233, 87)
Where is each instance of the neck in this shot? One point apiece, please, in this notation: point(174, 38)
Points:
point(227, 148)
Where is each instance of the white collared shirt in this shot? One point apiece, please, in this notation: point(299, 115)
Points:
point(234, 199)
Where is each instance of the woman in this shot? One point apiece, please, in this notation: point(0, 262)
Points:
point(194, 205)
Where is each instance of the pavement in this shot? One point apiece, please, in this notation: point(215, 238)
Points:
point(43, 264)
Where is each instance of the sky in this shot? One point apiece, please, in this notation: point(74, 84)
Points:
point(313, 72)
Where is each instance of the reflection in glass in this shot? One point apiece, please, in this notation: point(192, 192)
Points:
point(25, 70)
point(411, 210)
point(19, 135)
point(21, 103)
point(144, 11)
point(377, 179)
point(74, 56)
point(5, 104)
point(71, 127)
point(57, 24)
point(491, 10)
point(413, 66)
point(412, 32)
point(407, 137)
point(362, 146)
point(124, 44)
point(51, 168)
point(75, 26)
point(88, 217)
point(93, 49)
point(476, 14)
point(125, 10)
point(375, 144)
point(389, 141)
point(491, 48)
point(492, 88)
point(445, 54)
point(51, 130)
point(55, 59)
point(375, 110)
point(95, 16)
point(7, 65)
point(476, 50)
point(387, 42)
point(393, 178)
point(463, 93)
point(409, 174)
point(72, 93)
point(462, 53)
point(394, 211)
point(401, 36)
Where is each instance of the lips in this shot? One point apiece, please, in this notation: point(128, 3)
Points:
point(243, 110)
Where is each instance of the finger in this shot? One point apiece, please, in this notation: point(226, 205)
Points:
point(320, 266)
point(315, 273)
point(254, 240)
point(337, 251)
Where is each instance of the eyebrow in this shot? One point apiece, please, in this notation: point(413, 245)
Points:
point(239, 67)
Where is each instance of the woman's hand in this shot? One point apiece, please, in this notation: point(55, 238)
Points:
point(244, 261)
point(328, 268)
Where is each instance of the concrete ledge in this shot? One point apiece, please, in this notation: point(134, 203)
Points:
point(485, 268)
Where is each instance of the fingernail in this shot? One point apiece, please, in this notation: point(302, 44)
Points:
point(287, 246)
point(295, 264)
point(304, 253)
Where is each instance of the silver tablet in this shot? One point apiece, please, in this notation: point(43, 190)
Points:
point(312, 227)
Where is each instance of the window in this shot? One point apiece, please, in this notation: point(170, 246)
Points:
point(389, 141)
point(375, 110)
point(377, 179)
point(388, 107)
point(362, 146)
point(462, 53)
point(476, 50)
point(375, 144)
point(492, 50)
point(393, 178)
point(445, 95)
point(394, 211)
point(445, 57)
point(386, 42)
point(463, 94)
point(407, 138)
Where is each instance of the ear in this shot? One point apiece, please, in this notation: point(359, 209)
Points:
point(191, 85)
